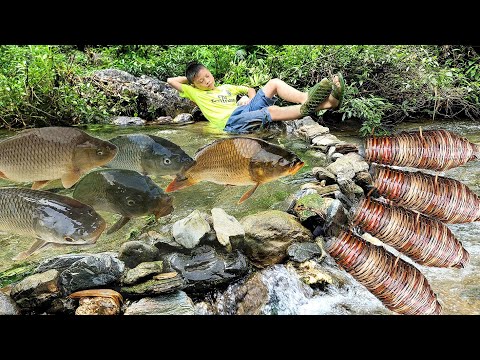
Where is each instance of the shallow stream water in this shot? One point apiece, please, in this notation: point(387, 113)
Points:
point(458, 290)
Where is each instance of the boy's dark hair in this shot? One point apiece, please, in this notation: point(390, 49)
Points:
point(192, 69)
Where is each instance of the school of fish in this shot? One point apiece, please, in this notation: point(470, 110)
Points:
point(114, 176)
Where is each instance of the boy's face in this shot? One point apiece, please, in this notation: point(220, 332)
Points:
point(204, 80)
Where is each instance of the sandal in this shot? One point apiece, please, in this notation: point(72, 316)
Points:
point(338, 92)
point(316, 95)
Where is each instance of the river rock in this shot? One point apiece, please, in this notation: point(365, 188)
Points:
point(189, 231)
point(97, 306)
point(311, 273)
point(128, 121)
point(161, 283)
point(226, 226)
point(162, 239)
point(311, 205)
point(311, 130)
point(204, 268)
point(8, 306)
point(336, 218)
point(323, 174)
point(323, 142)
point(60, 262)
point(142, 271)
point(322, 189)
point(183, 119)
point(301, 252)
point(92, 272)
point(347, 166)
point(62, 306)
point(363, 179)
point(133, 253)
point(268, 235)
point(345, 148)
point(272, 291)
point(154, 97)
point(37, 290)
point(177, 303)
point(335, 156)
point(350, 189)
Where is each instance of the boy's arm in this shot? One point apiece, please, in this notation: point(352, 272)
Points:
point(244, 100)
point(176, 82)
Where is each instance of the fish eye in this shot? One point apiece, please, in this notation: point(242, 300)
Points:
point(99, 152)
point(68, 239)
point(283, 162)
point(130, 202)
point(167, 161)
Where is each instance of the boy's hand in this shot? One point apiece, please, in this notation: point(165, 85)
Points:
point(244, 100)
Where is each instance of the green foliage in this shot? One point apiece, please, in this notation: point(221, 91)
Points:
point(385, 84)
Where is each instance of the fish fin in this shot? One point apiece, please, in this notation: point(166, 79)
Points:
point(39, 184)
point(248, 193)
point(179, 183)
point(69, 179)
point(36, 246)
point(118, 225)
point(2, 176)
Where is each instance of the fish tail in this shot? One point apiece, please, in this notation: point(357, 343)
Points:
point(179, 183)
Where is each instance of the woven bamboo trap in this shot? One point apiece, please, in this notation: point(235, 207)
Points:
point(401, 287)
point(432, 149)
point(425, 240)
point(445, 199)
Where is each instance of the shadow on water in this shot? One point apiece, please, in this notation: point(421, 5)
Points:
point(458, 290)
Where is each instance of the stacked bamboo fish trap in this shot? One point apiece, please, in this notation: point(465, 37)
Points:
point(427, 241)
point(398, 285)
point(410, 218)
point(445, 199)
point(435, 150)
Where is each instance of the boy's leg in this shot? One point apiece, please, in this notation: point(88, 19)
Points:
point(293, 112)
point(283, 90)
point(286, 92)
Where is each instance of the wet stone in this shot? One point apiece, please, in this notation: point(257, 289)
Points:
point(301, 252)
point(204, 268)
point(8, 306)
point(133, 253)
point(37, 290)
point(141, 271)
point(177, 303)
point(92, 272)
point(154, 286)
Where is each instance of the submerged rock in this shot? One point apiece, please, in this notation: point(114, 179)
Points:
point(92, 272)
point(301, 252)
point(60, 262)
point(37, 290)
point(8, 306)
point(133, 253)
point(271, 291)
point(177, 303)
point(226, 227)
point(142, 271)
point(189, 231)
point(268, 234)
point(158, 285)
point(204, 268)
point(97, 306)
point(127, 120)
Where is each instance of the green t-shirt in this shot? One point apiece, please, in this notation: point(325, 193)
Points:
point(216, 105)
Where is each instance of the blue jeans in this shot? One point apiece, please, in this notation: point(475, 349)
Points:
point(250, 117)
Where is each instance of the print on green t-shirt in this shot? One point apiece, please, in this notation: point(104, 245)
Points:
point(217, 104)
